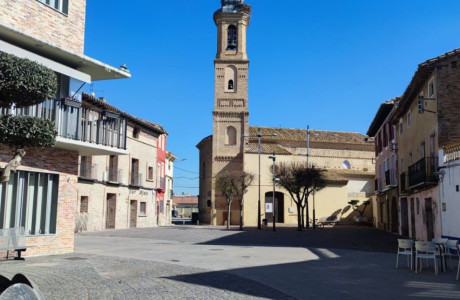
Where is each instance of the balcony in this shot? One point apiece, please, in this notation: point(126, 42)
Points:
point(403, 187)
point(390, 178)
point(161, 184)
point(136, 179)
point(422, 173)
point(114, 175)
point(88, 171)
point(80, 128)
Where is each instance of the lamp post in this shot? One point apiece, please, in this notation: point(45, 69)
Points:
point(273, 157)
point(259, 140)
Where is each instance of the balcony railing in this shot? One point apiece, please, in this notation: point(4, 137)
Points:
point(78, 123)
point(114, 175)
point(161, 184)
point(404, 188)
point(136, 179)
point(88, 171)
point(390, 178)
point(422, 173)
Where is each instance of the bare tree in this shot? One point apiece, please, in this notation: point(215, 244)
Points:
point(233, 185)
point(300, 181)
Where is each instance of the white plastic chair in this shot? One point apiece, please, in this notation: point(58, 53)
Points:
point(451, 249)
point(425, 250)
point(458, 268)
point(441, 244)
point(405, 247)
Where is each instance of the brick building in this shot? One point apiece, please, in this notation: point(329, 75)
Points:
point(119, 191)
point(42, 195)
point(386, 188)
point(427, 124)
point(346, 155)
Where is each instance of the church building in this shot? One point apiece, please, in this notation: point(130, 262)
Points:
point(236, 146)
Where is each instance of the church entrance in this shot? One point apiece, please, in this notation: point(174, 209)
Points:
point(277, 207)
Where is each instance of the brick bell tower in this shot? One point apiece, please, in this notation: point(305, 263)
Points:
point(230, 115)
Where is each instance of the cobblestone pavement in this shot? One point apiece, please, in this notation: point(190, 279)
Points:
point(82, 276)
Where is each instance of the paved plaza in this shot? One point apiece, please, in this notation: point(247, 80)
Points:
point(190, 262)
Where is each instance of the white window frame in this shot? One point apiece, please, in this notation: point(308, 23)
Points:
point(431, 88)
point(61, 6)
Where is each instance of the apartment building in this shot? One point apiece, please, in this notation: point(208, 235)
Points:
point(42, 195)
point(162, 205)
point(382, 130)
point(169, 185)
point(426, 120)
point(119, 191)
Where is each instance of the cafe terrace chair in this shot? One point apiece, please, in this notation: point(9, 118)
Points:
point(425, 250)
point(451, 249)
point(405, 247)
point(458, 268)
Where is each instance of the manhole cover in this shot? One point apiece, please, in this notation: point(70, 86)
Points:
point(75, 258)
point(245, 256)
point(175, 260)
point(216, 249)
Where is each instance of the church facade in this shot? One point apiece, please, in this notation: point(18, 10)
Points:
point(236, 146)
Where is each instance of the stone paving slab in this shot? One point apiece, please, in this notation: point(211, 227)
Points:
point(83, 276)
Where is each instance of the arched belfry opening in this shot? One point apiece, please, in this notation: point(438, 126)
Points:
point(232, 37)
point(230, 79)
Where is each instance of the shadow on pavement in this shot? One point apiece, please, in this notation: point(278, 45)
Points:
point(338, 237)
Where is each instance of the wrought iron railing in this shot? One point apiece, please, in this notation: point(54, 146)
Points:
point(88, 170)
point(114, 175)
point(136, 179)
point(423, 172)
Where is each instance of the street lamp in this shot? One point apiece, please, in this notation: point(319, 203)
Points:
point(259, 139)
point(275, 180)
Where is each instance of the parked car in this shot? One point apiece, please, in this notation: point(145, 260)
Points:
point(175, 213)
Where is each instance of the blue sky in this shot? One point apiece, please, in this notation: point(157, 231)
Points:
point(328, 64)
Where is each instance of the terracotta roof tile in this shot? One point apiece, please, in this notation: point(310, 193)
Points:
point(91, 100)
point(300, 135)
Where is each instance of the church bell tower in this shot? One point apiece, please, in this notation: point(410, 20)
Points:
point(230, 115)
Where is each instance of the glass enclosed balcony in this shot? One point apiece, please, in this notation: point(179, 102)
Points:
point(79, 127)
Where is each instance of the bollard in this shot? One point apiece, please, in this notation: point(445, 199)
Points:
point(183, 222)
point(198, 223)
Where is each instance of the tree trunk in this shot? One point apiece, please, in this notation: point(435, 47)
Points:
point(229, 205)
point(299, 217)
point(12, 165)
point(241, 214)
point(302, 212)
point(306, 211)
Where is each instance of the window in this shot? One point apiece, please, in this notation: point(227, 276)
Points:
point(84, 204)
point(60, 5)
point(400, 126)
point(29, 200)
point(143, 209)
point(408, 118)
point(136, 132)
point(431, 88)
point(232, 38)
point(150, 174)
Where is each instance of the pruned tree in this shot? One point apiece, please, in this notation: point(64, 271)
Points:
point(300, 181)
point(241, 184)
point(24, 83)
point(233, 185)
